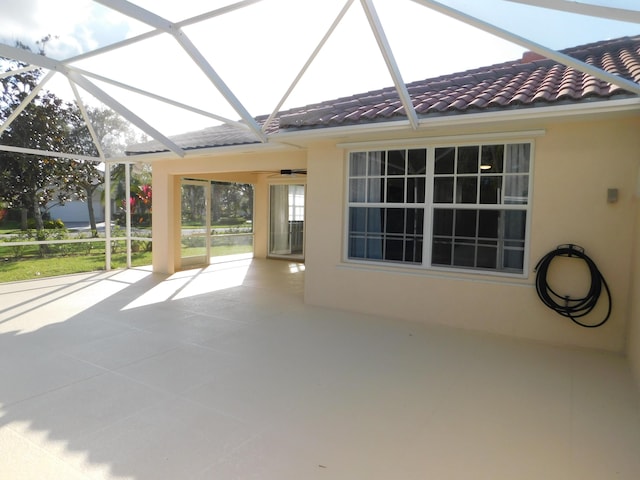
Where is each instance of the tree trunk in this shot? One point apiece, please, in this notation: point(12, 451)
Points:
point(37, 215)
point(24, 217)
point(40, 233)
point(92, 215)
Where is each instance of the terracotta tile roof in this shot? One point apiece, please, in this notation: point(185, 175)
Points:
point(528, 82)
point(217, 136)
point(525, 83)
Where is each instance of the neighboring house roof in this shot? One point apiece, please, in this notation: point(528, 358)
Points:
point(529, 82)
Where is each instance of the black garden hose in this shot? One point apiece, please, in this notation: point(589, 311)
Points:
point(573, 308)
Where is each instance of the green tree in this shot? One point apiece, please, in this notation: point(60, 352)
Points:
point(139, 191)
point(231, 200)
point(113, 134)
point(29, 182)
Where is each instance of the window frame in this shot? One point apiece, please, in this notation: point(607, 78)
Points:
point(430, 206)
point(388, 183)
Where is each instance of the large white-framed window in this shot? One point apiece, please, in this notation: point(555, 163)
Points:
point(441, 207)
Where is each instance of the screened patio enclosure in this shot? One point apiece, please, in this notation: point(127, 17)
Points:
point(120, 60)
point(302, 363)
point(122, 64)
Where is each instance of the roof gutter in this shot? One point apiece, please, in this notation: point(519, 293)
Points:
point(205, 152)
point(462, 119)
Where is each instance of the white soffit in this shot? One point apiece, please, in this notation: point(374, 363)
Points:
point(220, 61)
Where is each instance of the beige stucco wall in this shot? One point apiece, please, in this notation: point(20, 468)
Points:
point(228, 167)
point(575, 164)
point(633, 338)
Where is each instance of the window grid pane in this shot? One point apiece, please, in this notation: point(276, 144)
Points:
point(482, 239)
point(490, 175)
point(469, 228)
point(389, 224)
point(391, 234)
point(473, 231)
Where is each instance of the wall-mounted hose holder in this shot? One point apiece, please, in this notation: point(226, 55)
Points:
point(573, 308)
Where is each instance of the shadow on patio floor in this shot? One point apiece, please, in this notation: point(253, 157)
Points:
point(225, 373)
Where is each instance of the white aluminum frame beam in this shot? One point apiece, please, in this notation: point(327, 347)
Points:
point(17, 71)
point(33, 59)
point(134, 11)
point(113, 46)
point(107, 216)
point(533, 46)
point(392, 66)
point(159, 98)
point(159, 23)
point(127, 196)
point(87, 121)
point(611, 13)
point(49, 153)
point(19, 109)
point(59, 67)
point(222, 87)
point(308, 63)
point(155, 32)
point(117, 107)
point(151, 34)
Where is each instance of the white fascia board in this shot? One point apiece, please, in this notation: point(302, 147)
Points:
point(464, 119)
point(537, 113)
point(206, 152)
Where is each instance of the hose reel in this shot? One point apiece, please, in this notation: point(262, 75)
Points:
point(572, 308)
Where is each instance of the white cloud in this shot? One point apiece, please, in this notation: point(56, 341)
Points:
point(76, 26)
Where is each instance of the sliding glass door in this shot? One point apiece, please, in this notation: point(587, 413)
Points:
point(286, 221)
point(195, 223)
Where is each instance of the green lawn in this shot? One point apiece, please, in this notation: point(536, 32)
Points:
point(28, 262)
point(28, 268)
point(32, 266)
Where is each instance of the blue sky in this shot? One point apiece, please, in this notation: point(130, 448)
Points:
point(259, 50)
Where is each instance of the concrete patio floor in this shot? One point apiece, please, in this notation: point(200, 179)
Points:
point(224, 373)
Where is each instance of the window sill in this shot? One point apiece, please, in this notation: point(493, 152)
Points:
point(519, 279)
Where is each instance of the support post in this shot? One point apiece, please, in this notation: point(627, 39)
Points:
point(127, 176)
point(107, 215)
